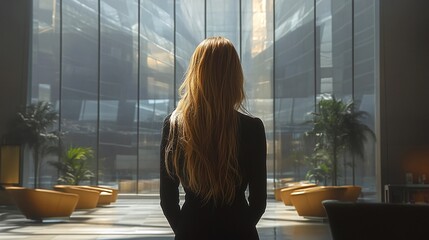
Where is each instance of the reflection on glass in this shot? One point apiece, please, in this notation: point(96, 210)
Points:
point(257, 61)
point(79, 88)
point(156, 88)
point(365, 77)
point(223, 19)
point(334, 68)
point(294, 81)
point(118, 92)
point(189, 33)
point(45, 76)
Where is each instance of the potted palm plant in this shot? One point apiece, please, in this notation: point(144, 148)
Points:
point(320, 167)
point(33, 128)
point(337, 128)
point(73, 166)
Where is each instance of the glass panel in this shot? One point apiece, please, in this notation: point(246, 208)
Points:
point(156, 87)
point(46, 51)
point(257, 61)
point(334, 61)
point(334, 40)
point(365, 61)
point(223, 19)
point(189, 33)
point(294, 86)
point(45, 77)
point(79, 88)
point(118, 92)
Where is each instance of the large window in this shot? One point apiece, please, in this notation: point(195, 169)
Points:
point(113, 68)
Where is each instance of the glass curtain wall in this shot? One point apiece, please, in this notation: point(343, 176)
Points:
point(113, 69)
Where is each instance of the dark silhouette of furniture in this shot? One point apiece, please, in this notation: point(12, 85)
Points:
point(406, 193)
point(376, 220)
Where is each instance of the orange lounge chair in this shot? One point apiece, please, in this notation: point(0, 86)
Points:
point(284, 183)
point(114, 191)
point(87, 198)
point(40, 204)
point(285, 192)
point(107, 196)
point(352, 193)
point(308, 201)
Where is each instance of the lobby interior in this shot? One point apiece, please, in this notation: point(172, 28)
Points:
point(400, 121)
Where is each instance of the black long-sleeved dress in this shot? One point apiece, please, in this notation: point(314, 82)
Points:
point(195, 220)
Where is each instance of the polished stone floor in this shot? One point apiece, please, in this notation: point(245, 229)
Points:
point(141, 218)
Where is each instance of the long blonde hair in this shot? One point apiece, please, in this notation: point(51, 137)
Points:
point(203, 127)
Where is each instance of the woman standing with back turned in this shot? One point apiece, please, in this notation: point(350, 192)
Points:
point(214, 151)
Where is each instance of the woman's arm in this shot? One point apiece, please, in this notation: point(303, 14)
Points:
point(258, 173)
point(169, 187)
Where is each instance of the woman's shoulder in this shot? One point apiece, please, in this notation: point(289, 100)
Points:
point(166, 124)
point(172, 116)
point(245, 117)
point(167, 118)
point(248, 119)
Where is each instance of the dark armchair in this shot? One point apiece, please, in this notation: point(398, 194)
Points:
point(370, 220)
